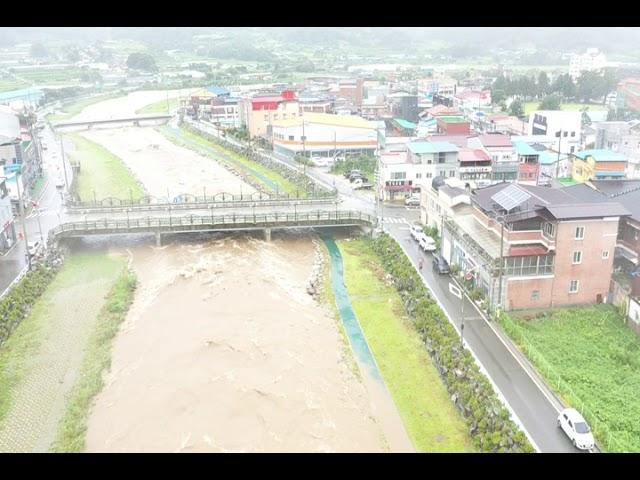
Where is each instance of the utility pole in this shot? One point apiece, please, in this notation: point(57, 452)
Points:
point(558, 162)
point(304, 149)
point(501, 262)
point(64, 163)
point(24, 226)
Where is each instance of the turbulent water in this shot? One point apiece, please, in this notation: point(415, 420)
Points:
point(223, 350)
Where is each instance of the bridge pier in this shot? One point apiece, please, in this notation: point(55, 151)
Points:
point(267, 234)
point(158, 239)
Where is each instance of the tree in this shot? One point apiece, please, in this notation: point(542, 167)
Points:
point(564, 86)
point(142, 61)
point(516, 108)
point(589, 86)
point(543, 84)
point(551, 102)
point(38, 50)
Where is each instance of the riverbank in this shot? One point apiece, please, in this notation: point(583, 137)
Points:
point(430, 418)
point(40, 362)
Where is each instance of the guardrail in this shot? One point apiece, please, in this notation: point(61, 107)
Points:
point(215, 222)
point(22, 273)
point(189, 201)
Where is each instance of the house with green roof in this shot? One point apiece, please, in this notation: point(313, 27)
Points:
point(453, 125)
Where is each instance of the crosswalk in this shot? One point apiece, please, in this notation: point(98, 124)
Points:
point(392, 220)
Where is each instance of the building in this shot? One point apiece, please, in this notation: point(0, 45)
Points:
point(7, 228)
point(504, 163)
point(598, 164)
point(474, 167)
point(439, 159)
point(352, 90)
point(325, 135)
point(315, 105)
point(500, 123)
point(405, 106)
point(591, 61)
point(453, 125)
point(472, 99)
point(258, 113)
point(442, 197)
point(25, 96)
point(528, 162)
point(553, 166)
point(624, 138)
point(628, 94)
point(534, 247)
point(398, 176)
point(565, 126)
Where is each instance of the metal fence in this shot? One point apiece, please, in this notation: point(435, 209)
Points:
point(22, 273)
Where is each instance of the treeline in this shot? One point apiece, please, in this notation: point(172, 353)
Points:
point(589, 86)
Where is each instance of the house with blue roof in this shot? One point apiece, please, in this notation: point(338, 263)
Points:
point(598, 164)
point(218, 91)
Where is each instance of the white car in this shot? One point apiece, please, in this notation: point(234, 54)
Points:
point(574, 425)
point(427, 244)
point(33, 248)
point(416, 230)
point(412, 202)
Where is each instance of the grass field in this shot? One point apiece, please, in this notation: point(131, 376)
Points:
point(40, 361)
point(533, 106)
point(7, 85)
point(592, 360)
point(50, 76)
point(228, 157)
point(433, 424)
point(160, 107)
point(101, 172)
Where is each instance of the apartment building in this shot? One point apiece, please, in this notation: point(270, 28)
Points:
point(399, 175)
point(534, 247)
point(438, 159)
point(624, 138)
point(591, 61)
point(441, 198)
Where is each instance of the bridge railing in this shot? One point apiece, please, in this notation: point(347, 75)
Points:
point(189, 201)
point(265, 220)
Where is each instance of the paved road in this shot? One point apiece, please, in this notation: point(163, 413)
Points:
point(531, 408)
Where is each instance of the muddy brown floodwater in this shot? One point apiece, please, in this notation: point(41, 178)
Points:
point(223, 350)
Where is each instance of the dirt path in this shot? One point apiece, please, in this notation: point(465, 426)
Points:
point(57, 331)
point(223, 350)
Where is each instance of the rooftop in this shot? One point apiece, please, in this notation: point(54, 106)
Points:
point(601, 155)
point(473, 155)
point(405, 124)
point(350, 121)
point(523, 148)
point(431, 147)
point(498, 140)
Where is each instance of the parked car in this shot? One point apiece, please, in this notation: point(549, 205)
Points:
point(576, 428)
point(427, 244)
point(440, 265)
point(412, 202)
point(416, 230)
point(352, 172)
point(33, 248)
point(320, 161)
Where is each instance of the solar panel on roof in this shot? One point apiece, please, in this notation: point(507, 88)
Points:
point(510, 197)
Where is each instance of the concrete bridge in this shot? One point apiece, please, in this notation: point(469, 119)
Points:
point(138, 121)
point(265, 221)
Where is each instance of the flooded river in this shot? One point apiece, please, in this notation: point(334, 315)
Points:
point(223, 350)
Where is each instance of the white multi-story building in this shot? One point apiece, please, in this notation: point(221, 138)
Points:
point(565, 126)
point(591, 61)
point(7, 229)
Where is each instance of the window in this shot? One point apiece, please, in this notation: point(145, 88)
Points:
point(494, 158)
point(573, 149)
point(452, 173)
point(605, 254)
point(527, 266)
point(577, 257)
point(418, 175)
point(284, 116)
point(398, 175)
point(579, 233)
point(266, 117)
point(427, 175)
point(573, 134)
point(535, 295)
point(573, 286)
point(442, 156)
point(290, 137)
point(275, 116)
point(566, 134)
point(549, 229)
point(558, 134)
